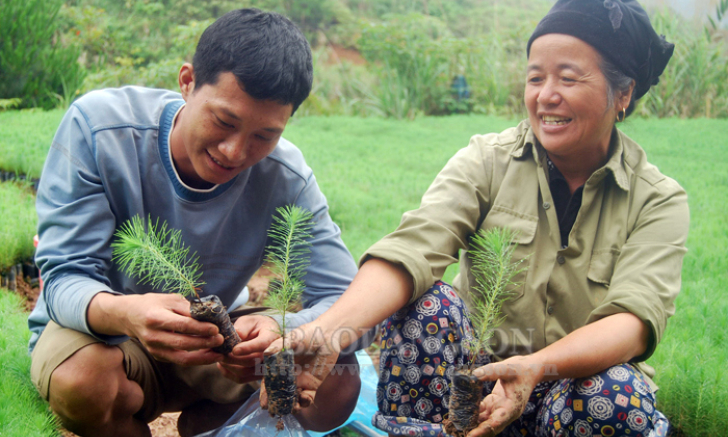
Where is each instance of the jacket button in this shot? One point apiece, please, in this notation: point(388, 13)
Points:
point(560, 259)
point(546, 205)
point(550, 310)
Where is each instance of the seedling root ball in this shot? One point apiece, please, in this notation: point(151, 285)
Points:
point(210, 309)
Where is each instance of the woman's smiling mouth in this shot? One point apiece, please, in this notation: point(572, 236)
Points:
point(551, 120)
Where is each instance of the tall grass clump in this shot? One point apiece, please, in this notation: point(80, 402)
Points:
point(22, 412)
point(340, 87)
point(695, 81)
point(36, 64)
point(18, 224)
point(411, 62)
point(25, 138)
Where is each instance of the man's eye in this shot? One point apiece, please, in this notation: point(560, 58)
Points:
point(223, 124)
point(262, 138)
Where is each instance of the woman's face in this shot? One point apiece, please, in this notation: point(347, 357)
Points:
point(566, 98)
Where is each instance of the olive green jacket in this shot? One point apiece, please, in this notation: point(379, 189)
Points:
point(625, 249)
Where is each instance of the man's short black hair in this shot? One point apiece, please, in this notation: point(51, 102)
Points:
point(265, 51)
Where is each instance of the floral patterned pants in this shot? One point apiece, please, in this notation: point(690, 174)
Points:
point(420, 350)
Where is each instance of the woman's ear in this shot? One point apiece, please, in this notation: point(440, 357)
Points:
point(624, 98)
point(186, 79)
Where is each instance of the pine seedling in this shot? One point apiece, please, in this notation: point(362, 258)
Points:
point(491, 253)
point(287, 255)
point(156, 256)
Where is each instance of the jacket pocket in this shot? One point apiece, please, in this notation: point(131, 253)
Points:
point(601, 270)
point(601, 266)
point(524, 228)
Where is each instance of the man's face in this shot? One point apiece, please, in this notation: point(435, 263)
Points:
point(222, 130)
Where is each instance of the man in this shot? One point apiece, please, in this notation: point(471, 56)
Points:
point(111, 355)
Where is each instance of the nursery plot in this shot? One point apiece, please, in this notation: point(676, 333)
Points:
point(22, 412)
point(25, 138)
point(18, 224)
point(372, 170)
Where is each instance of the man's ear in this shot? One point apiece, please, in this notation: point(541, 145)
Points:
point(186, 79)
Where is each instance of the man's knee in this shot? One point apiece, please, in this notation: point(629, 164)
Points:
point(91, 387)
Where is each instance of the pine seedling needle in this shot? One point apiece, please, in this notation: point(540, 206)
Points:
point(287, 255)
point(156, 256)
point(491, 253)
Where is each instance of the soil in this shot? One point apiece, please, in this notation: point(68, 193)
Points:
point(465, 396)
point(280, 380)
point(210, 309)
point(338, 53)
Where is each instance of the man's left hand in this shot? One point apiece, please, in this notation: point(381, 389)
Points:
point(257, 333)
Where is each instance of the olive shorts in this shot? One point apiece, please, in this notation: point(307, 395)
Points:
point(164, 384)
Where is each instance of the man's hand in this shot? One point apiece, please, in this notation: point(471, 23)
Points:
point(257, 333)
point(161, 322)
point(314, 354)
point(516, 378)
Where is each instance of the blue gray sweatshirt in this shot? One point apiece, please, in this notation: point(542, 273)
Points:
point(110, 161)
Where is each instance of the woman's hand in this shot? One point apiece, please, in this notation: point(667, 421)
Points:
point(515, 379)
point(621, 337)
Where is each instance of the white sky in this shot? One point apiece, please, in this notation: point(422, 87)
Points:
point(689, 8)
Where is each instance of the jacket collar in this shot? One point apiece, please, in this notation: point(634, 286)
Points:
point(615, 164)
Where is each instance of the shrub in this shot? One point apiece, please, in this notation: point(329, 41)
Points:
point(410, 53)
point(35, 65)
point(695, 82)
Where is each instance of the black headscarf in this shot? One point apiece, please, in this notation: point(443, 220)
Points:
point(619, 30)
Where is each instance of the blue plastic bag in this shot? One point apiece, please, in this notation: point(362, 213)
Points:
point(251, 420)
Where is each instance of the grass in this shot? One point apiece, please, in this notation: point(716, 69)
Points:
point(22, 412)
point(18, 224)
point(372, 170)
point(25, 137)
point(691, 358)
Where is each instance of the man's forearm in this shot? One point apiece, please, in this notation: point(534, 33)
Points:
point(102, 314)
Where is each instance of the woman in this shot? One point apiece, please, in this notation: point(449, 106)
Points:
point(602, 231)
